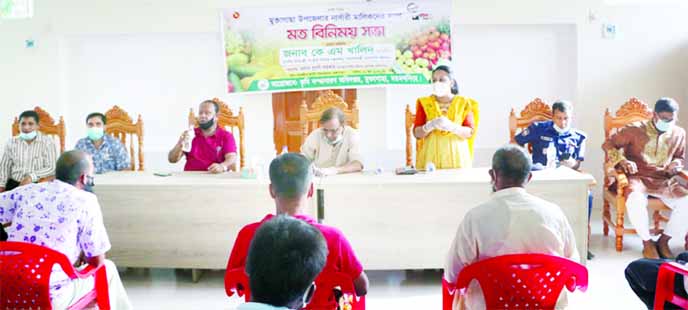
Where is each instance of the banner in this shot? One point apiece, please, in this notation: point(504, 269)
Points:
point(336, 45)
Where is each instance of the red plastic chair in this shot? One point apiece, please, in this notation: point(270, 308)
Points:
point(324, 297)
point(25, 277)
point(236, 282)
point(520, 281)
point(665, 286)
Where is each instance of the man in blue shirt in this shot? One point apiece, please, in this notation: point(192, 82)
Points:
point(568, 143)
point(565, 145)
point(109, 154)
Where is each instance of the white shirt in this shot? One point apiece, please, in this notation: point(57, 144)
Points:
point(511, 222)
point(259, 306)
point(56, 215)
point(318, 149)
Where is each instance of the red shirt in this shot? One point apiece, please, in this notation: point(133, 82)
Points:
point(341, 257)
point(208, 150)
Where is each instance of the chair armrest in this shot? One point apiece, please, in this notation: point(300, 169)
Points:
point(674, 267)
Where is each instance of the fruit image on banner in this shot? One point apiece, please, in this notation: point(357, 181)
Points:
point(335, 46)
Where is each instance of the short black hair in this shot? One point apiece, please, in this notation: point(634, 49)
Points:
point(666, 104)
point(284, 258)
point(30, 113)
point(454, 85)
point(217, 106)
point(512, 163)
point(290, 175)
point(562, 106)
point(332, 113)
point(70, 166)
point(98, 114)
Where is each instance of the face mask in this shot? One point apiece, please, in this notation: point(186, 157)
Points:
point(89, 183)
point(441, 89)
point(95, 133)
point(335, 141)
point(207, 125)
point(28, 136)
point(663, 125)
point(562, 130)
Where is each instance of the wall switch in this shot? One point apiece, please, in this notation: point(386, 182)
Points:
point(609, 31)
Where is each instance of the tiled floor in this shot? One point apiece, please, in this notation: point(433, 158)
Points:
point(170, 289)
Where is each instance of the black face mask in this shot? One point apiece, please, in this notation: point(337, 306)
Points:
point(89, 184)
point(206, 125)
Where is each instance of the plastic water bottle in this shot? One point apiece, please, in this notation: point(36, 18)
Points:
point(551, 156)
point(186, 147)
point(430, 167)
point(285, 150)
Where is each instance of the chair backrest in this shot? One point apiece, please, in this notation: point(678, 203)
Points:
point(664, 291)
point(534, 111)
point(309, 118)
point(633, 110)
point(25, 275)
point(236, 282)
point(226, 119)
point(48, 126)
point(409, 119)
point(119, 125)
point(325, 285)
point(524, 281)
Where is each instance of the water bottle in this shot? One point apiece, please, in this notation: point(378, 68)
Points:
point(186, 147)
point(285, 150)
point(551, 156)
point(430, 167)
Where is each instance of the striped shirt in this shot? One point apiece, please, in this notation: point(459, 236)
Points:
point(36, 159)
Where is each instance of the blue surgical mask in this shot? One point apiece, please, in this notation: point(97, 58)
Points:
point(95, 133)
point(28, 136)
point(663, 125)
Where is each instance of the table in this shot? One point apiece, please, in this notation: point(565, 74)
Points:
point(190, 220)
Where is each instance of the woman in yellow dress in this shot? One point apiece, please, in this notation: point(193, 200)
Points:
point(445, 124)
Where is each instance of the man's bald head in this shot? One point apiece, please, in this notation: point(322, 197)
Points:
point(71, 166)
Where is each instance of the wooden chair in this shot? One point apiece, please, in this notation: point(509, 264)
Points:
point(535, 111)
point(616, 181)
point(48, 126)
point(309, 118)
point(226, 118)
point(119, 126)
point(409, 119)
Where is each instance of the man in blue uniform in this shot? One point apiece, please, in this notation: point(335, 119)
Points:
point(568, 143)
point(555, 143)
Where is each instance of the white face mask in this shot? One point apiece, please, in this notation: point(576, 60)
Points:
point(441, 89)
point(562, 130)
point(336, 140)
point(663, 125)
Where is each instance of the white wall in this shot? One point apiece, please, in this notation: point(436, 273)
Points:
point(74, 69)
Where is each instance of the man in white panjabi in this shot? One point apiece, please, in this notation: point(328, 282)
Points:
point(334, 147)
point(511, 222)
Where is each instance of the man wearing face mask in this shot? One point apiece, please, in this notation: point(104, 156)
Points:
point(64, 216)
point(108, 153)
point(446, 124)
point(568, 143)
point(334, 147)
point(213, 148)
point(519, 223)
point(29, 157)
point(651, 153)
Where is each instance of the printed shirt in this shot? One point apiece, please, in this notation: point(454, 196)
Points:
point(111, 156)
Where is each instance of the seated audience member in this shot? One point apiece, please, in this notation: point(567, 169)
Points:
point(333, 148)
point(63, 216)
point(651, 153)
point(108, 153)
point(284, 258)
point(642, 277)
point(568, 142)
point(511, 222)
point(291, 186)
point(213, 148)
point(29, 157)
